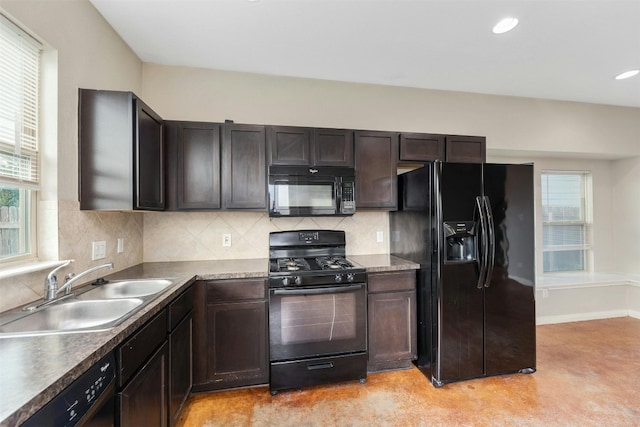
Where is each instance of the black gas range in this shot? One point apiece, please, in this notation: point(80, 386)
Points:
point(310, 258)
point(317, 310)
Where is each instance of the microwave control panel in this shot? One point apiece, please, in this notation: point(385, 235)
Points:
point(348, 199)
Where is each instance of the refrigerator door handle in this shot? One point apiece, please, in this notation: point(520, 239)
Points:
point(491, 254)
point(482, 255)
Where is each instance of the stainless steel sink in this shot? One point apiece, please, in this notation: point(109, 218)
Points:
point(72, 316)
point(127, 289)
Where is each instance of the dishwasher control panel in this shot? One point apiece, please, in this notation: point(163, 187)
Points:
point(81, 399)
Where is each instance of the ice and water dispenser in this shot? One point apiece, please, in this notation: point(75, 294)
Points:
point(460, 241)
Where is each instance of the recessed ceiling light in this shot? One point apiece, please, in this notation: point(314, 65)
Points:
point(507, 24)
point(627, 74)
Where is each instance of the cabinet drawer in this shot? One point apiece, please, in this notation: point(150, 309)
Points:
point(396, 281)
point(235, 290)
point(132, 354)
point(179, 308)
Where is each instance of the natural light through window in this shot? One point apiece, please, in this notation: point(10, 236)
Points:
point(565, 220)
point(19, 154)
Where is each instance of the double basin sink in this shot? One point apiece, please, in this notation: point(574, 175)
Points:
point(100, 308)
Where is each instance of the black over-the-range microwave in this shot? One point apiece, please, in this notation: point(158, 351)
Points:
point(311, 191)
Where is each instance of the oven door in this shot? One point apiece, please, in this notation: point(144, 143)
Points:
point(309, 322)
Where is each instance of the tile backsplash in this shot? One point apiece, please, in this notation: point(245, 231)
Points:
point(188, 236)
point(76, 230)
point(178, 236)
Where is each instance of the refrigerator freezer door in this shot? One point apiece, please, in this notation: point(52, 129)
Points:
point(509, 313)
point(458, 303)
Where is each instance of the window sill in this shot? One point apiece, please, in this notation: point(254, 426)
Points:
point(27, 267)
point(583, 279)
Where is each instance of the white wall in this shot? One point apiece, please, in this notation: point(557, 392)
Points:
point(90, 54)
point(602, 246)
point(523, 129)
point(509, 123)
point(85, 52)
point(625, 189)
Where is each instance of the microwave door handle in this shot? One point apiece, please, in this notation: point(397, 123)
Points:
point(318, 291)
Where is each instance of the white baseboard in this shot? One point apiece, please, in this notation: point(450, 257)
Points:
point(578, 317)
point(634, 314)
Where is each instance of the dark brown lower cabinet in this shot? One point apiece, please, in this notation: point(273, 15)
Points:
point(230, 343)
point(143, 401)
point(392, 320)
point(180, 367)
point(154, 367)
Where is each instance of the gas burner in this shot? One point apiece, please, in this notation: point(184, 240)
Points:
point(333, 263)
point(292, 264)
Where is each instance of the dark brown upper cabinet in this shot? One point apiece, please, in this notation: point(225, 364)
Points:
point(376, 155)
point(422, 147)
point(332, 147)
point(244, 177)
point(288, 145)
point(466, 149)
point(425, 147)
point(193, 165)
point(120, 152)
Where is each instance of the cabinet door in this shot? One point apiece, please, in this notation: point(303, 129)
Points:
point(421, 147)
point(236, 344)
point(149, 169)
point(244, 177)
point(180, 367)
point(143, 402)
point(392, 330)
point(466, 149)
point(193, 165)
point(332, 147)
point(376, 164)
point(289, 145)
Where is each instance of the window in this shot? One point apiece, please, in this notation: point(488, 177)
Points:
point(565, 220)
point(19, 158)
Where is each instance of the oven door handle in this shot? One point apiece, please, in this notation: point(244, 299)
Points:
point(318, 291)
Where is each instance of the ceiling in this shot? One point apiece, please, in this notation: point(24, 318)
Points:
point(562, 49)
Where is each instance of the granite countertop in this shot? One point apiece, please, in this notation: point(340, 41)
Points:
point(35, 369)
point(386, 262)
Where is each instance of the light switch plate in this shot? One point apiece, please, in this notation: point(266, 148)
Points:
point(120, 246)
point(379, 236)
point(98, 250)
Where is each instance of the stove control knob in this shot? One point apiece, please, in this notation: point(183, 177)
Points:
point(338, 278)
point(298, 280)
point(350, 277)
point(286, 281)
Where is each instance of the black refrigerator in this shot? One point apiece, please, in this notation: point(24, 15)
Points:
point(471, 229)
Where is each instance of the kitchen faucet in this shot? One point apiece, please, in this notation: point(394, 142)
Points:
point(51, 289)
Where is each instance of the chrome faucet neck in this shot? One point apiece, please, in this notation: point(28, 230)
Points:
point(72, 278)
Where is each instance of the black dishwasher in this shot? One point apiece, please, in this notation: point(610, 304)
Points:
point(89, 401)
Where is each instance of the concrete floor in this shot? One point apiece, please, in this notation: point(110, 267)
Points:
point(588, 375)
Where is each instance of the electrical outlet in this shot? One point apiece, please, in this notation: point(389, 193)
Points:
point(120, 246)
point(545, 293)
point(226, 239)
point(98, 250)
point(379, 236)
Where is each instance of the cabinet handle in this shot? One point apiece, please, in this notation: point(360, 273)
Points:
point(327, 365)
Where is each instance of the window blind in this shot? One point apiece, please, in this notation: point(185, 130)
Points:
point(564, 220)
point(19, 102)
